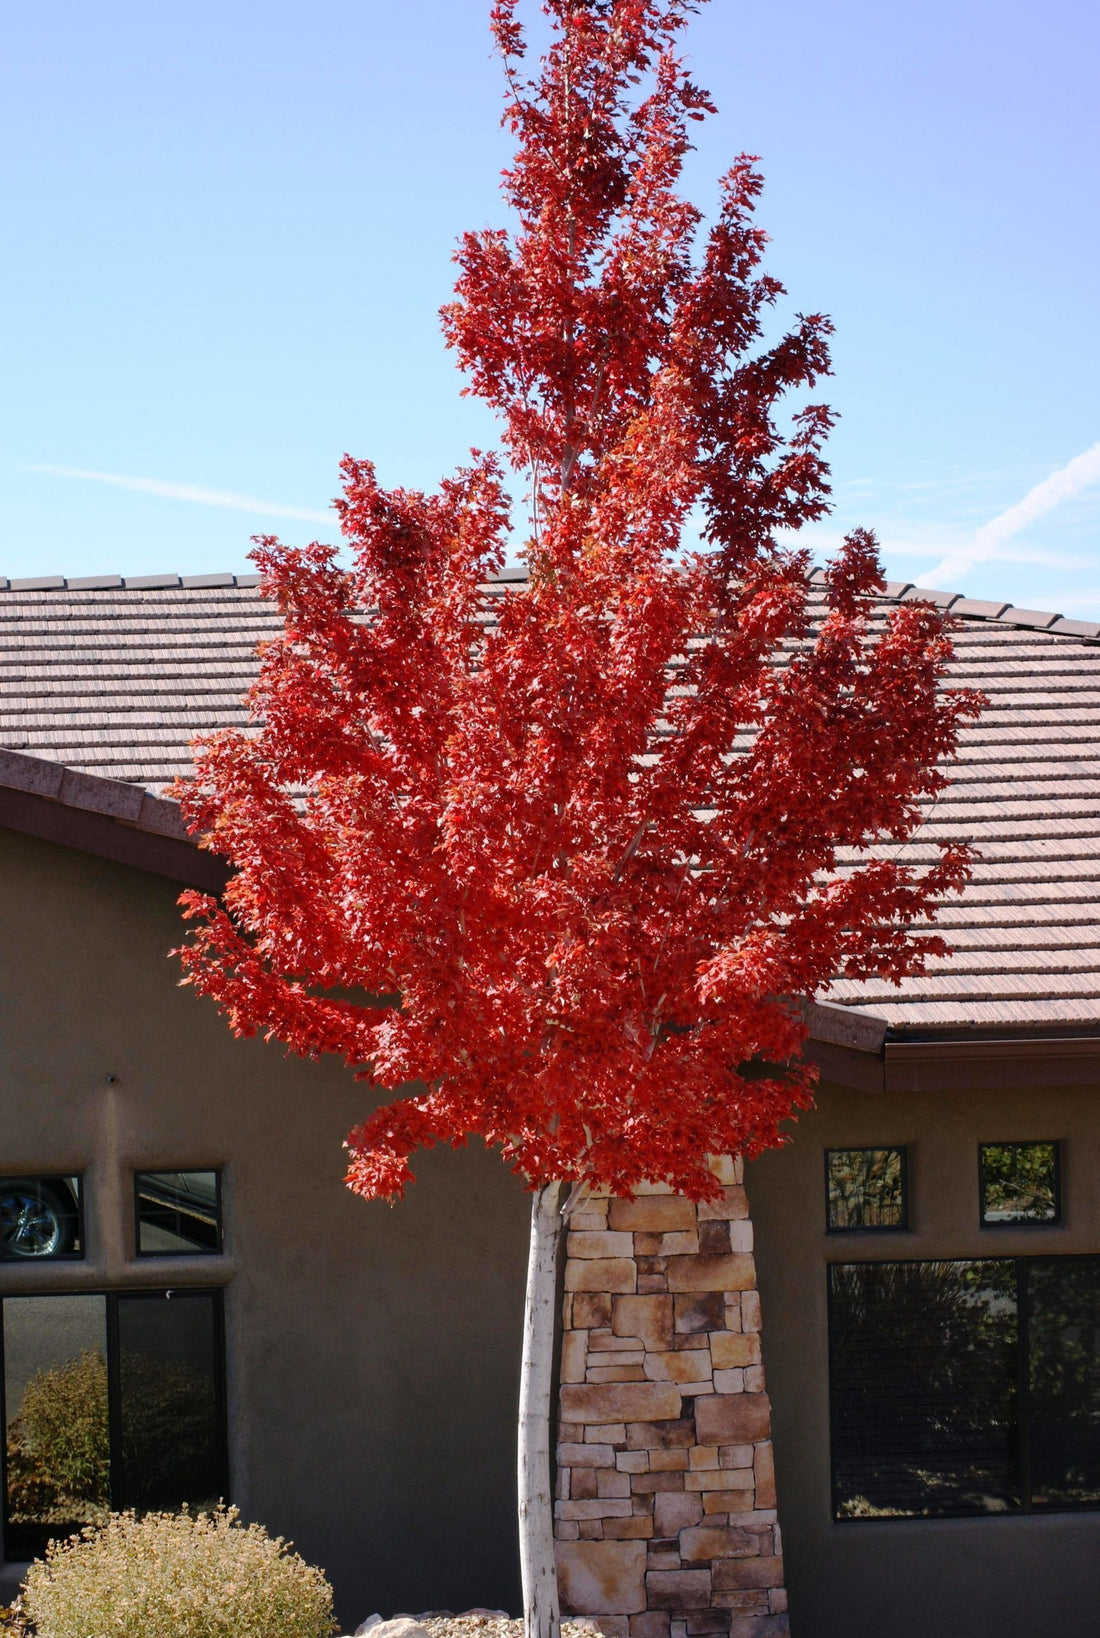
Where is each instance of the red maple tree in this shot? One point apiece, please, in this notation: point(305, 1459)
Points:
point(561, 854)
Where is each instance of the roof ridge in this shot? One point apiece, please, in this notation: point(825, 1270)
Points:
point(896, 591)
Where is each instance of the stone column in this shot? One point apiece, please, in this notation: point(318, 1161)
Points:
point(665, 1511)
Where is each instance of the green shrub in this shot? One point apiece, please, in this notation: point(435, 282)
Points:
point(59, 1462)
point(176, 1575)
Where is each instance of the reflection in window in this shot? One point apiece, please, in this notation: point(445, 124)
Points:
point(965, 1387)
point(924, 1381)
point(40, 1217)
point(111, 1401)
point(178, 1212)
point(1019, 1183)
point(58, 1465)
point(168, 1362)
point(866, 1188)
point(1063, 1305)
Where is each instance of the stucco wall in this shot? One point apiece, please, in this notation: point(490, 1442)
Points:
point(998, 1577)
point(372, 1352)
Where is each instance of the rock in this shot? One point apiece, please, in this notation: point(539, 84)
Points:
point(401, 1626)
point(492, 1615)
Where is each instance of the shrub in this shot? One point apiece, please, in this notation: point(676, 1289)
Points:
point(176, 1575)
point(59, 1463)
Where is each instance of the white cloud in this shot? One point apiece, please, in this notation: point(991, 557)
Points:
point(987, 544)
point(224, 498)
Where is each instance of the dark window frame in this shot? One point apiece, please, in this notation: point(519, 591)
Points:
point(905, 1226)
point(81, 1227)
point(1023, 1389)
point(191, 1251)
point(1054, 1222)
point(114, 1384)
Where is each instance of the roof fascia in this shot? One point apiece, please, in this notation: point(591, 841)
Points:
point(104, 817)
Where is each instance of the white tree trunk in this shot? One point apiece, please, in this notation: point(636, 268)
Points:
point(536, 1505)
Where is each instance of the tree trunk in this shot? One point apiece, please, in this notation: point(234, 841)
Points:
point(536, 1507)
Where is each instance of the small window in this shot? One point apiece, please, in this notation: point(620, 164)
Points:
point(1019, 1183)
point(40, 1217)
point(866, 1189)
point(178, 1213)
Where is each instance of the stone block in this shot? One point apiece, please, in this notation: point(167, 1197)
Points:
point(567, 1530)
point(735, 1574)
point(652, 1285)
point(704, 1456)
point(723, 1419)
point(730, 1349)
point(674, 1511)
point(650, 1319)
point(714, 1238)
point(663, 1558)
point(583, 1483)
point(683, 1242)
point(750, 1311)
point(764, 1473)
point(736, 1455)
point(573, 1351)
point(754, 1379)
point(709, 1273)
point(679, 1365)
point(652, 1214)
point(707, 1541)
point(676, 1434)
point(602, 1577)
point(591, 1311)
point(724, 1381)
point(647, 1484)
point(638, 1527)
point(606, 1433)
point(610, 1482)
point(597, 1507)
point(601, 1274)
point(733, 1205)
point(667, 1461)
point(744, 1603)
point(760, 1626)
point(678, 1589)
point(741, 1236)
point(615, 1373)
point(632, 1461)
point(651, 1624)
point(622, 1401)
point(599, 1244)
point(590, 1529)
point(605, 1342)
point(731, 1501)
point(699, 1312)
point(777, 1599)
point(574, 1455)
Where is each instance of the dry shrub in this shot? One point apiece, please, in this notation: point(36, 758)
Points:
point(176, 1575)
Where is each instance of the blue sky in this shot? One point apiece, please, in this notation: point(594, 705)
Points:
point(228, 229)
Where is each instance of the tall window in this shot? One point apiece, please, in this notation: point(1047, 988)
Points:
point(110, 1400)
point(965, 1387)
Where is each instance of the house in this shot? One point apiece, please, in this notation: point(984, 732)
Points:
point(182, 1268)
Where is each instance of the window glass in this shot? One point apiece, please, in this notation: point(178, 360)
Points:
point(923, 1369)
point(40, 1217)
point(111, 1401)
point(58, 1467)
point(866, 1188)
point(169, 1400)
point(178, 1212)
point(1019, 1183)
point(1063, 1307)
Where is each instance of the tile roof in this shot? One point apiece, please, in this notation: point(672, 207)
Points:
point(111, 677)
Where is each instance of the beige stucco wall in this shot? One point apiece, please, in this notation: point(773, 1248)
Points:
point(372, 1352)
point(956, 1578)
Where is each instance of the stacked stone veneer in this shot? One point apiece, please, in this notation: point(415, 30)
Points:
point(666, 1524)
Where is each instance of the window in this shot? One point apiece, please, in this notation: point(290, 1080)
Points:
point(110, 1401)
point(40, 1217)
point(1019, 1184)
point(178, 1213)
point(965, 1387)
point(866, 1189)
